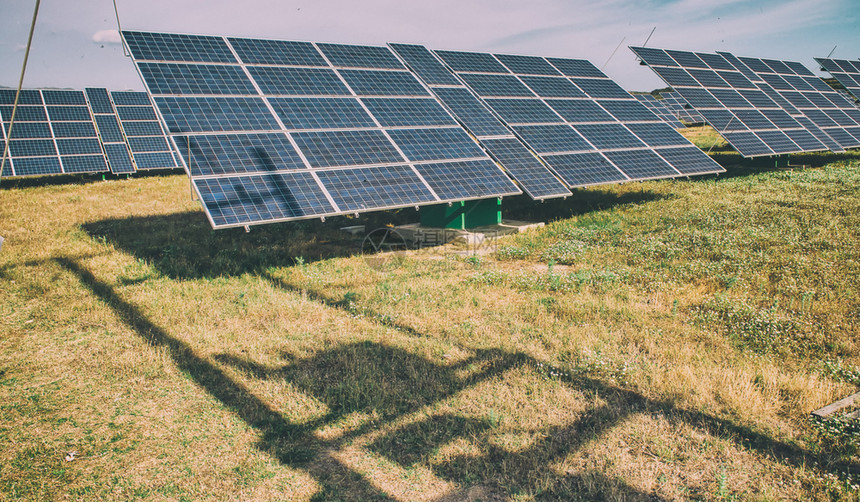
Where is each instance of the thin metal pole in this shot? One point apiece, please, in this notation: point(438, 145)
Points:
point(125, 51)
point(649, 37)
point(613, 53)
point(20, 85)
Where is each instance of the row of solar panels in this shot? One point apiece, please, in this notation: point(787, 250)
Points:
point(274, 130)
point(73, 131)
point(760, 106)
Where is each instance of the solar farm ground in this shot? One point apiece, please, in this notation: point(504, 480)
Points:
point(663, 340)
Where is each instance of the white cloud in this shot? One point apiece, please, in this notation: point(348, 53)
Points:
point(107, 37)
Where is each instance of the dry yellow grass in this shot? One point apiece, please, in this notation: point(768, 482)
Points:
point(662, 340)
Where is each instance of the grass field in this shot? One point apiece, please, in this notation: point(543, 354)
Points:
point(655, 341)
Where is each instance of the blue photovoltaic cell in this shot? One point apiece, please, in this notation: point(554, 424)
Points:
point(130, 98)
point(27, 97)
point(346, 148)
point(553, 87)
point(32, 148)
point(435, 144)
point(687, 59)
point(470, 112)
point(99, 100)
point(397, 112)
point(159, 160)
point(109, 128)
point(628, 111)
point(730, 98)
point(467, 179)
point(216, 154)
point(601, 88)
point(777, 141)
point(736, 79)
point(608, 136)
point(24, 113)
point(214, 114)
point(321, 113)
point(174, 47)
point(495, 85)
point(79, 146)
point(657, 134)
point(715, 61)
point(374, 187)
point(298, 81)
point(747, 143)
point(723, 120)
point(178, 78)
point(424, 64)
point(805, 139)
point(675, 76)
point(552, 138)
point(84, 163)
point(708, 78)
point(652, 56)
point(699, 98)
point(69, 113)
point(64, 98)
point(584, 169)
point(148, 144)
point(641, 164)
point(72, 129)
point(243, 200)
point(576, 67)
point(147, 113)
point(527, 65)
point(520, 163)
point(383, 83)
point(359, 56)
point(141, 128)
point(118, 158)
point(516, 111)
point(277, 52)
point(471, 61)
point(690, 160)
point(576, 110)
point(35, 166)
point(28, 130)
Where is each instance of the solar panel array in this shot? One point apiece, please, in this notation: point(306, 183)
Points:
point(72, 131)
point(523, 165)
point(680, 108)
point(274, 130)
point(53, 133)
point(580, 123)
point(659, 109)
point(146, 139)
point(808, 98)
point(107, 125)
point(761, 107)
point(845, 72)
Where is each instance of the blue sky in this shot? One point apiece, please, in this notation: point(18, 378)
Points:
point(75, 44)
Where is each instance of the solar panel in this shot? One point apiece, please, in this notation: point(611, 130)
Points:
point(146, 139)
point(567, 111)
point(53, 133)
point(845, 72)
point(659, 108)
point(746, 107)
point(288, 130)
point(520, 163)
point(808, 96)
point(107, 124)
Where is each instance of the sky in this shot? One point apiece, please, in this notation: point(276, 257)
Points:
point(76, 45)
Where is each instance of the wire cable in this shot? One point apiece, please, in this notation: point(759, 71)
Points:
point(18, 93)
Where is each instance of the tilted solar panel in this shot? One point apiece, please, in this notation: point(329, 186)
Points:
point(568, 111)
point(53, 133)
point(757, 105)
point(110, 133)
point(278, 130)
point(521, 164)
